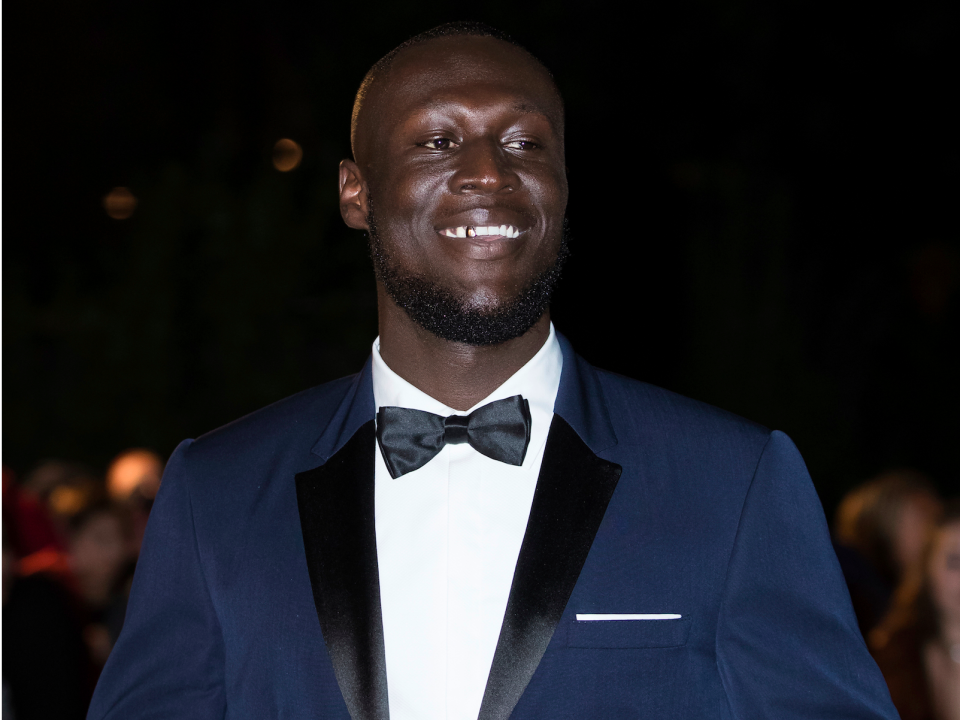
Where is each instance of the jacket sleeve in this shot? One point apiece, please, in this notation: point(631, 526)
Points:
point(788, 646)
point(169, 659)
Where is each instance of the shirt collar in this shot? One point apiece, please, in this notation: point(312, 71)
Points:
point(538, 382)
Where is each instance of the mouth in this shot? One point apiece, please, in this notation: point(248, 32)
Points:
point(485, 232)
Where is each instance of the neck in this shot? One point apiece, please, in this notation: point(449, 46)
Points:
point(456, 374)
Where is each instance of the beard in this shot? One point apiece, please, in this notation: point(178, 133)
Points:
point(449, 315)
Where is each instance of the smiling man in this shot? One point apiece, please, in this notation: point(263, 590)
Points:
point(480, 524)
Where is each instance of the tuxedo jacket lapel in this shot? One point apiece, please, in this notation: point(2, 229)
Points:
point(336, 504)
point(573, 490)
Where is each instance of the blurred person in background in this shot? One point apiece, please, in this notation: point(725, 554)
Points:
point(47, 672)
point(918, 644)
point(63, 484)
point(52, 493)
point(68, 559)
point(133, 480)
point(100, 552)
point(34, 538)
point(880, 529)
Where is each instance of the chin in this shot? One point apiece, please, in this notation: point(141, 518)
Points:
point(484, 302)
point(482, 319)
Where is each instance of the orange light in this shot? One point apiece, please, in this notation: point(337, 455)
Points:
point(134, 470)
point(67, 500)
point(119, 203)
point(286, 155)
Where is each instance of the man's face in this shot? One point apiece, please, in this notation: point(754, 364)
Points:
point(464, 137)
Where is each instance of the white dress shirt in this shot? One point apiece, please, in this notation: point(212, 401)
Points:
point(448, 537)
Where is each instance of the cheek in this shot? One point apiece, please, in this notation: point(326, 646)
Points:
point(405, 197)
point(945, 588)
point(550, 189)
point(952, 585)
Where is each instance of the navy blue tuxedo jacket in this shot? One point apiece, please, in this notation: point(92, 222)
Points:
point(257, 593)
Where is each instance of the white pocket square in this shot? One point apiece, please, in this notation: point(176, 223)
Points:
point(592, 617)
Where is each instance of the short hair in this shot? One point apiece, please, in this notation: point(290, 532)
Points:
point(450, 29)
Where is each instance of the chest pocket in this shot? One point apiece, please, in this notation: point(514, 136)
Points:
point(613, 634)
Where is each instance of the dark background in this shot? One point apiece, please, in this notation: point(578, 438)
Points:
point(763, 200)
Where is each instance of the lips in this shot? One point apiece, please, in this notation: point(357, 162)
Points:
point(481, 231)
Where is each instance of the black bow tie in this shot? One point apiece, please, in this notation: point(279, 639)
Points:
point(409, 439)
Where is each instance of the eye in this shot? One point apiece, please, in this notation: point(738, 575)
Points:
point(522, 145)
point(439, 143)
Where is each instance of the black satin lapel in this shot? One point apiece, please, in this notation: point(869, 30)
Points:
point(336, 502)
point(572, 494)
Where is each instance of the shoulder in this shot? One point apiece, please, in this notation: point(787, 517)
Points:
point(226, 476)
point(641, 410)
point(690, 450)
point(291, 424)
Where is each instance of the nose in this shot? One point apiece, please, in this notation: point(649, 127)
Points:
point(483, 168)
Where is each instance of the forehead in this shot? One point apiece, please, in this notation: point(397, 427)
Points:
point(458, 68)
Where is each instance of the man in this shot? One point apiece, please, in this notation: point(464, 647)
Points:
point(480, 524)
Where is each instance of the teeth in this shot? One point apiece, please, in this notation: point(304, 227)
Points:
point(508, 231)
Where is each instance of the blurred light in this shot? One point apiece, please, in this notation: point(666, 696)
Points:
point(286, 155)
point(132, 471)
point(67, 500)
point(119, 203)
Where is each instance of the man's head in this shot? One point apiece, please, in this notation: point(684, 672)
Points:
point(459, 133)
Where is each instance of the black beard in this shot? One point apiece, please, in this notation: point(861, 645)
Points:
point(448, 316)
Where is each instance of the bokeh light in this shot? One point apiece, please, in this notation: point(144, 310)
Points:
point(68, 500)
point(286, 155)
point(119, 203)
point(133, 471)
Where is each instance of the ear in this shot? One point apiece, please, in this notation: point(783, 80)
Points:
point(353, 196)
